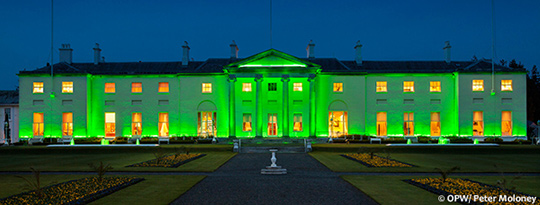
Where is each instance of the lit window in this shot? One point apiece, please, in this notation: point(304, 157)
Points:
point(246, 87)
point(506, 85)
point(136, 87)
point(297, 119)
point(272, 86)
point(109, 88)
point(39, 124)
point(67, 87)
point(67, 124)
point(338, 87)
point(272, 124)
point(136, 123)
point(38, 87)
point(506, 124)
point(297, 87)
point(163, 87)
point(337, 123)
point(435, 124)
point(206, 126)
point(207, 87)
point(110, 124)
point(478, 123)
point(478, 85)
point(435, 86)
point(246, 125)
point(163, 124)
point(381, 86)
point(381, 123)
point(408, 86)
point(408, 124)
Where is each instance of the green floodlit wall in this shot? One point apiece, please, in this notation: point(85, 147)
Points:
point(121, 102)
point(422, 106)
point(492, 105)
point(52, 107)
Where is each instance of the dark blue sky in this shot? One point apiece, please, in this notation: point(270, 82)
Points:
point(141, 30)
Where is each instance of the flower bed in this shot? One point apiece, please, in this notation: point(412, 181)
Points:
point(466, 187)
point(80, 191)
point(170, 161)
point(377, 161)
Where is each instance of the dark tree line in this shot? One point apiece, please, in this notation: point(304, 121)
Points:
point(533, 89)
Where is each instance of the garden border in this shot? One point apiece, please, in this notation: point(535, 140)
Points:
point(371, 166)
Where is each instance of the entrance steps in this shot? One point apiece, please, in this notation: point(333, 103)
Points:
point(264, 149)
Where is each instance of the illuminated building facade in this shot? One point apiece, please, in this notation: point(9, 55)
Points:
point(272, 94)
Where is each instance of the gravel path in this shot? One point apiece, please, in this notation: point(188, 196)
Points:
point(307, 182)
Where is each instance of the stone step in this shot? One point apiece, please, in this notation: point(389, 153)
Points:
point(265, 149)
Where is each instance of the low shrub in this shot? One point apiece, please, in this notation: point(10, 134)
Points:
point(493, 139)
point(88, 140)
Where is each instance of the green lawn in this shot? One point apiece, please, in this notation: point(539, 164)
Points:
point(155, 189)
point(507, 158)
point(77, 159)
point(391, 190)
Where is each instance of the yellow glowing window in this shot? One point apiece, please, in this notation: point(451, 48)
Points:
point(381, 123)
point(297, 122)
point(38, 87)
point(246, 124)
point(408, 86)
point(337, 123)
point(109, 88)
point(478, 123)
point(67, 87)
point(246, 87)
point(297, 87)
point(39, 124)
point(163, 87)
point(136, 123)
point(435, 124)
point(478, 85)
point(206, 125)
point(381, 86)
point(272, 128)
point(136, 87)
point(163, 124)
point(506, 124)
point(110, 124)
point(67, 124)
point(408, 124)
point(338, 87)
point(435, 86)
point(207, 87)
point(506, 85)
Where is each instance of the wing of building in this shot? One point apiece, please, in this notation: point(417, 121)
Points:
point(272, 94)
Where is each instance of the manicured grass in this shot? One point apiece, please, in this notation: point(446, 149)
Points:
point(77, 159)
point(155, 189)
point(392, 190)
point(507, 158)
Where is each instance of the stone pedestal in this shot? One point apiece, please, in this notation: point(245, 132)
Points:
point(273, 168)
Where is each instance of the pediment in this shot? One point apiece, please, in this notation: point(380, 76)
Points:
point(271, 59)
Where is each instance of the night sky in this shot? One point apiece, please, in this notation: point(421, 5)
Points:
point(142, 30)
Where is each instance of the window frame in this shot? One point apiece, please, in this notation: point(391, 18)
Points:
point(482, 126)
point(206, 88)
point(40, 89)
point(295, 117)
point(410, 87)
point(431, 124)
point(439, 86)
point(41, 124)
point(505, 88)
point(113, 88)
point(133, 124)
point(107, 134)
point(133, 87)
point(65, 87)
point(381, 86)
point(408, 122)
point(385, 123)
point(166, 88)
point(247, 87)
point(65, 124)
point(298, 87)
point(166, 122)
point(511, 123)
point(245, 122)
point(334, 87)
point(478, 87)
point(272, 87)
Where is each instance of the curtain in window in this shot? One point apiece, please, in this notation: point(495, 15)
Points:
point(478, 123)
point(381, 123)
point(297, 122)
point(246, 125)
point(435, 124)
point(67, 124)
point(38, 124)
point(408, 124)
point(163, 124)
point(136, 124)
point(506, 125)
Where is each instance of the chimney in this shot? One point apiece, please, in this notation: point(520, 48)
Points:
point(66, 53)
point(97, 54)
point(447, 51)
point(358, 56)
point(234, 50)
point(185, 57)
point(310, 50)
